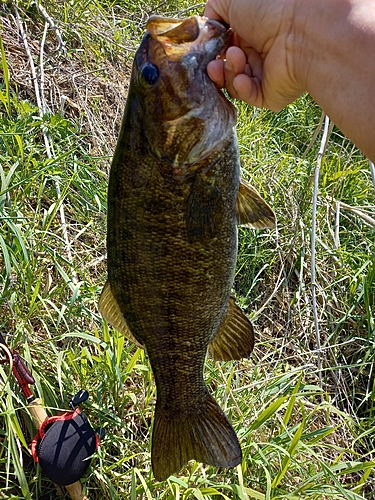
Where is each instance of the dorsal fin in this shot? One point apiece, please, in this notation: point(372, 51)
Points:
point(235, 338)
point(252, 210)
point(110, 310)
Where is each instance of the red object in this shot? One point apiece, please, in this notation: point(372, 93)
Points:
point(47, 423)
point(22, 375)
point(64, 445)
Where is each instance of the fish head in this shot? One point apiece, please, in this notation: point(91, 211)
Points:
point(185, 117)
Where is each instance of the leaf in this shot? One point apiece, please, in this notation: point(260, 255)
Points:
point(146, 488)
point(6, 256)
point(5, 97)
point(268, 412)
point(289, 410)
point(289, 454)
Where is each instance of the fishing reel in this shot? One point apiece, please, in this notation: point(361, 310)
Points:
point(64, 444)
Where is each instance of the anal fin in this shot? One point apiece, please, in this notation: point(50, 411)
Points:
point(235, 338)
point(252, 210)
point(110, 310)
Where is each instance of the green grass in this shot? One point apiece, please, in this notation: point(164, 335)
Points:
point(300, 440)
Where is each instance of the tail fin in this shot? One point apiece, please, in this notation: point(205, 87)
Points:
point(203, 434)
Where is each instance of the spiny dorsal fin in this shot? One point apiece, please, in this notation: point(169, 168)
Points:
point(201, 432)
point(110, 310)
point(252, 210)
point(235, 338)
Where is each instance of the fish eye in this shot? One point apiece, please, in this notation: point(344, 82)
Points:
point(149, 74)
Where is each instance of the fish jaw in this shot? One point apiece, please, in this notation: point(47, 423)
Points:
point(195, 34)
point(191, 119)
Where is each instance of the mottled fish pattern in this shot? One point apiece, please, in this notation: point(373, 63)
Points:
point(174, 202)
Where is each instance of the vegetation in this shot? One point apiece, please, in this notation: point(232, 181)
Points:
point(303, 405)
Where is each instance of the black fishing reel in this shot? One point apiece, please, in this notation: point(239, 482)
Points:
point(64, 444)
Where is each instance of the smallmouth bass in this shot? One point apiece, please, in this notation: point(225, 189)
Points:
point(174, 202)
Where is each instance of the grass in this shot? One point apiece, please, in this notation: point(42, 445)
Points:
point(300, 439)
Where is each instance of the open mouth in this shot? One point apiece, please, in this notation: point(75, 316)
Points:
point(181, 36)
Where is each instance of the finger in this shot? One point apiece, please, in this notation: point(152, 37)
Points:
point(215, 70)
point(211, 12)
point(255, 62)
point(235, 64)
point(236, 59)
point(248, 71)
point(248, 89)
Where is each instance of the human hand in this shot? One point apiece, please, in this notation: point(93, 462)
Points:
point(261, 67)
point(282, 48)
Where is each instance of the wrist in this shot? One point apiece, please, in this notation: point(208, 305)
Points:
point(325, 35)
point(334, 41)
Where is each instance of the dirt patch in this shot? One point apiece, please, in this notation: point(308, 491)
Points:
point(66, 79)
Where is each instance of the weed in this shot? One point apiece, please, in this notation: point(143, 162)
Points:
point(300, 438)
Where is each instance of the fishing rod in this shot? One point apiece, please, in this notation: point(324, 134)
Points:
point(35, 407)
point(25, 379)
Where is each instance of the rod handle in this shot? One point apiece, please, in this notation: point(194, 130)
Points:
point(75, 491)
point(37, 412)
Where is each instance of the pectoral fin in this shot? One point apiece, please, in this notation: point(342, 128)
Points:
point(252, 210)
point(235, 338)
point(110, 310)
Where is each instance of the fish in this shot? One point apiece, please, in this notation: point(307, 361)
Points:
point(175, 200)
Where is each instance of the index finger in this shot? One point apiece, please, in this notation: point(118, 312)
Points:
point(209, 11)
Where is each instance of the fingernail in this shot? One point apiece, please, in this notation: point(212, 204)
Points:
point(228, 65)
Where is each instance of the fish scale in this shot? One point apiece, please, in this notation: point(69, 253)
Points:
point(174, 202)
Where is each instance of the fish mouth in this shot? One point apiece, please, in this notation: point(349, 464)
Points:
point(195, 34)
